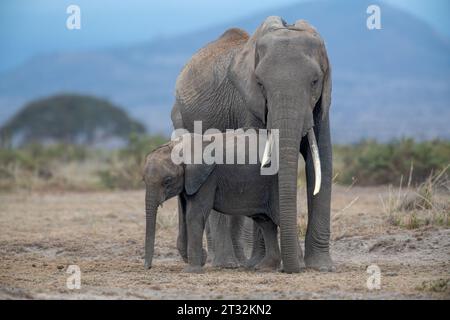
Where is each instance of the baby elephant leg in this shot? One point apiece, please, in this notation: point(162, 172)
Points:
point(272, 257)
point(182, 240)
point(195, 221)
point(182, 235)
point(198, 207)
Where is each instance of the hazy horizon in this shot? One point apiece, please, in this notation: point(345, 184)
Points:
point(39, 27)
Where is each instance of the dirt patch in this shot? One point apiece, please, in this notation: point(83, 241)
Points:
point(103, 233)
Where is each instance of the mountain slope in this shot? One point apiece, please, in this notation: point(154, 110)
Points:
point(386, 83)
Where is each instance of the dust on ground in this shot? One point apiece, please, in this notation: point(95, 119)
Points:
point(41, 234)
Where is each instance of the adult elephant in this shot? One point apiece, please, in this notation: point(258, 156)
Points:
point(279, 78)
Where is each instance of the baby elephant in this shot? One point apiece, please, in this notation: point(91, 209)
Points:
point(233, 189)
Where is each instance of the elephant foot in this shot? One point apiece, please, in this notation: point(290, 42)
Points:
point(301, 264)
point(226, 264)
point(226, 261)
point(147, 265)
point(268, 265)
point(253, 262)
point(242, 261)
point(204, 257)
point(320, 261)
point(183, 253)
point(193, 269)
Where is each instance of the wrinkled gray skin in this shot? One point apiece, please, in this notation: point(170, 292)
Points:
point(237, 190)
point(225, 242)
point(279, 78)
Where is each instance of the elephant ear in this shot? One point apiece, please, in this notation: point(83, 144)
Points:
point(195, 175)
point(325, 98)
point(323, 104)
point(242, 69)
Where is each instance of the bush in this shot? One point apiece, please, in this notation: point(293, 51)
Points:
point(66, 165)
point(35, 156)
point(424, 205)
point(373, 163)
point(70, 166)
point(139, 146)
point(34, 164)
point(125, 170)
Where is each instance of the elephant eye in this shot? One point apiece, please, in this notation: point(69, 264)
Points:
point(314, 83)
point(167, 181)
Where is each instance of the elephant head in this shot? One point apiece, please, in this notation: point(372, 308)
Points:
point(283, 74)
point(165, 178)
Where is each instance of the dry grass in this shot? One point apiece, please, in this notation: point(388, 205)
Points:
point(167, 219)
point(439, 285)
point(424, 205)
point(41, 233)
point(70, 177)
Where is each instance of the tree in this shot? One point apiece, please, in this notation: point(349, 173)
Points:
point(70, 118)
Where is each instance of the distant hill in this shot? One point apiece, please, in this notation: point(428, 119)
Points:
point(69, 118)
point(388, 83)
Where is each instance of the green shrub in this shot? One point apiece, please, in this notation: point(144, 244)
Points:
point(125, 169)
point(366, 163)
point(35, 156)
point(139, 146)
point(373, 163)
point(37, 166)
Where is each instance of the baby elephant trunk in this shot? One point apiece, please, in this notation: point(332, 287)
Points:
point(151, 208)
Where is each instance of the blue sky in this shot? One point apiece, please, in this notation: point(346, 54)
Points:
point(28, 28)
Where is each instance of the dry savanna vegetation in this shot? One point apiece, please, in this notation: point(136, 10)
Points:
point(63, 205)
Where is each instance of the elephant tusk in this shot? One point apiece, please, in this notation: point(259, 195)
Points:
point(267, 151)
point(316, 160)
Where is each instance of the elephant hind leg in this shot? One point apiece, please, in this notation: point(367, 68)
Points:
point(258, 247)
point(236, 228)
point(209, 243)
point(272, 257)
point(222, 245)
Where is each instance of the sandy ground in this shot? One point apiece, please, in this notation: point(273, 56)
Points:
point(41, 234)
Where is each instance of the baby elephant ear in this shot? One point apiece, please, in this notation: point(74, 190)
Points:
point(195, 175)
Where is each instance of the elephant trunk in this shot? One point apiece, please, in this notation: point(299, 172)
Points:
point(292, 120)
point(151, 208)
point(287, 186)
point(286, 116)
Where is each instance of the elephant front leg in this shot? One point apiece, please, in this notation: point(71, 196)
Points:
point(195, 228)
point(182, 239)
point(182, 233)
point(317, 242)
